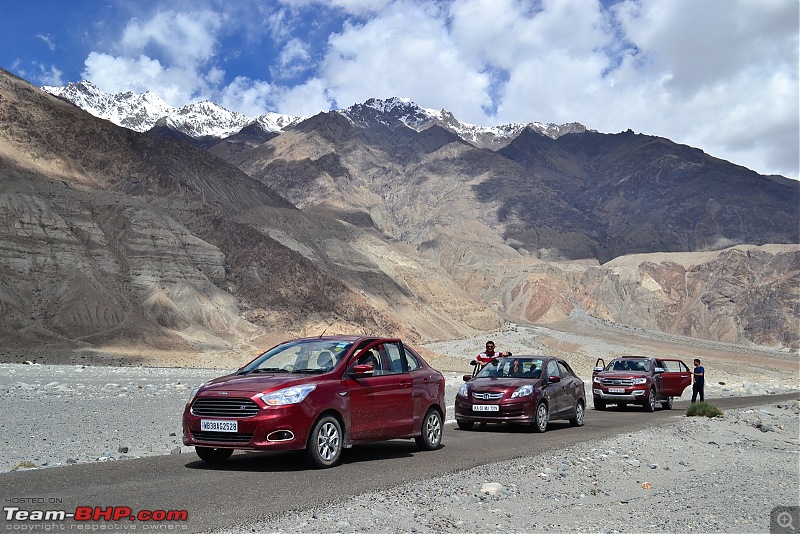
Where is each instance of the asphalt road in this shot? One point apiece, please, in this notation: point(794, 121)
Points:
point(254, 485)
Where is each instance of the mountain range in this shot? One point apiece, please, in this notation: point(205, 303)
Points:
point(129, 227)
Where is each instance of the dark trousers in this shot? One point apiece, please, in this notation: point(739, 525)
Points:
point(697, 388)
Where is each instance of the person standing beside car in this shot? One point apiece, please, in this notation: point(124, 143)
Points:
point(699, 381)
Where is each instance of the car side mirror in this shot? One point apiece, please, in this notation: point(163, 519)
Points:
point(554, 378)
point(598, 369)
point(467, 378)
point(659, 370)
point(361, 370)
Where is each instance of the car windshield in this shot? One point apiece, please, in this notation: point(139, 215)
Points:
point(304, 356)
point(629, 365)
point(512, 368)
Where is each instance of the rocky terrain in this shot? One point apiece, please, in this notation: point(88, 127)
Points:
point(733, 473)
point(667, 479)
point(54, 400)
point(118, 247)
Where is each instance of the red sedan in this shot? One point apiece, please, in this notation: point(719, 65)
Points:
point(321, 395)
point(530, 390)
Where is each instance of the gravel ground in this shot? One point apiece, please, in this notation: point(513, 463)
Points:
point(725, 474)
point(696, 474)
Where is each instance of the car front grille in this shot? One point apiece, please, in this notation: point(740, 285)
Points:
point(222, 437)
point(486, 396)
point(617, 381)
point(213, 407)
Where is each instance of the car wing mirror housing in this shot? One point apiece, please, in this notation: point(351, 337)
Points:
point(361, 370)
point(467, 378)
point(554, 378)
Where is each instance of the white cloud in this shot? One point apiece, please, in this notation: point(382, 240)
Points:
point(47, 40)
point(49, 75)
point(405, 52)
point(247, 96)
point(720, 75)
point(293, 59)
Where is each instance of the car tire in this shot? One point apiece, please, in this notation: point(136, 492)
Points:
point(465, 425)
point(541, 418)
point(324, 447)
point(579, 413)
point(650, 403)
point(599, 404)
point(430, 437)
point(213, 455)
point(668, 404)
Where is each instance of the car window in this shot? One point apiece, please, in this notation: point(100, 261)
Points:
point(394, 357)
point(371, 357)
point(552, 368)
point(565, 371)
point(673, 366)
point(411, 359)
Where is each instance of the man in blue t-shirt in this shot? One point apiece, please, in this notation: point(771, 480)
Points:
point(699, 381)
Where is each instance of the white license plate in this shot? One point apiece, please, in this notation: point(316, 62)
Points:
point(616, 390)
point(212, 425)
point(485, 408)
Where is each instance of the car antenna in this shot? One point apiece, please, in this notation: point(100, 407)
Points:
point(326, 328)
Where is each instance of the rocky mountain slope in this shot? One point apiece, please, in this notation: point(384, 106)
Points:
point(115, 242)
point(119, 243)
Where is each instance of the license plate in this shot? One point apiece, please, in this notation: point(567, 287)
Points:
point(616, 390)
point(485, 408)
point(211, 425)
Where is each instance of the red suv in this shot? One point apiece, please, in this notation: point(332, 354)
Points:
point(639, 380)
point(321, 395)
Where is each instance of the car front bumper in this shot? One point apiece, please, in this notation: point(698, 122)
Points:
point(515, 411)
point(273, 428)
point(634, 395)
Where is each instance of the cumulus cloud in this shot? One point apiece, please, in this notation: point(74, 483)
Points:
point(170, 54)
point(720, 75)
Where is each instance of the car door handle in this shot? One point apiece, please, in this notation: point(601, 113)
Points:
point(405, 383)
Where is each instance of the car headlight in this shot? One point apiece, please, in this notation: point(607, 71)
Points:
point(291, 395)
point(193, 394)
point(597, 380)
point(522, 391)
point(463, 390)
point(640, 380)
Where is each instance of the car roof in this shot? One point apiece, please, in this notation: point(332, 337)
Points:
point(345, 337)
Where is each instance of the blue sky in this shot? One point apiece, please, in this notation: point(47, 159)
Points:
point(720, 75)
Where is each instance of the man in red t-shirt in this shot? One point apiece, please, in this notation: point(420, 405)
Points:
point(485, 357)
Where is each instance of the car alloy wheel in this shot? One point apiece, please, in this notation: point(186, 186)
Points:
point(542, 417)
point(599, 404)
point(431, 436)
point(325, 442)
point(650, 405)
point(579, 412)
